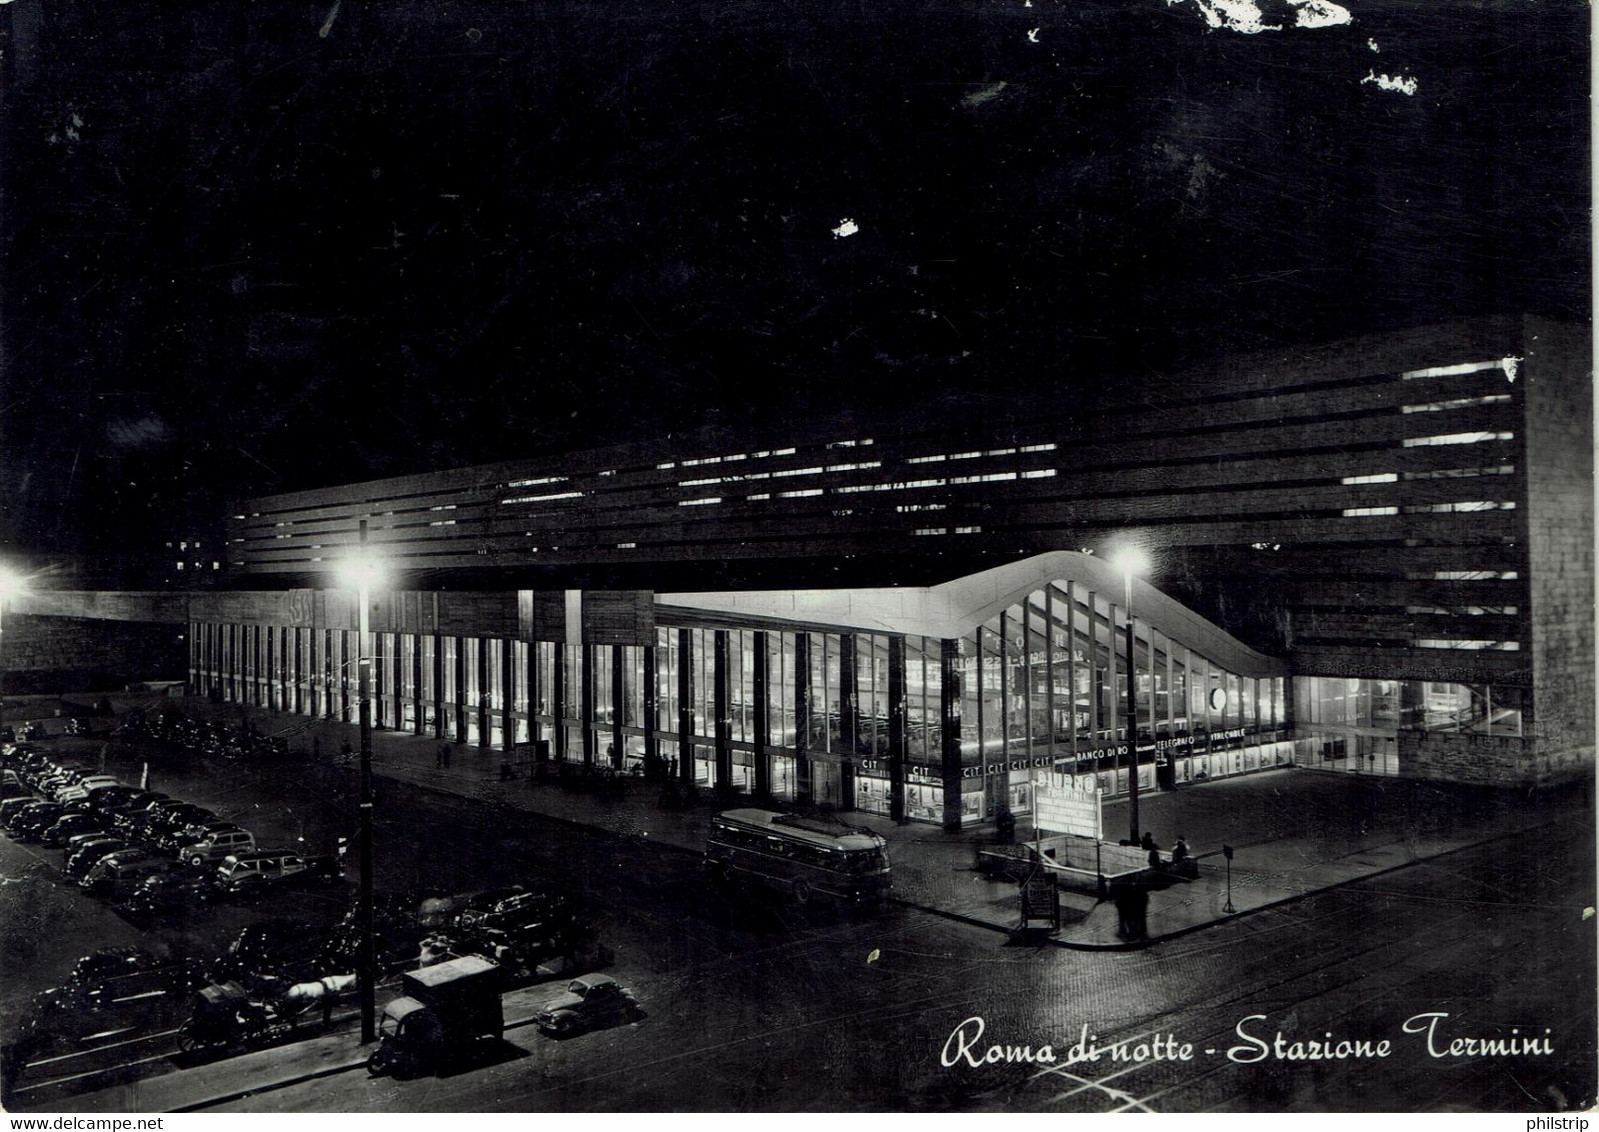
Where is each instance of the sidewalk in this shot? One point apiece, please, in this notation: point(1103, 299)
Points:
point(1294, 831)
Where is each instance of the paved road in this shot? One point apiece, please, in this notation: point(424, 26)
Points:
point(750, 1007)
point(807, 1021)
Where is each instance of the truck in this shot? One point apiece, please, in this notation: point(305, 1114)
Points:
point(444, 1011)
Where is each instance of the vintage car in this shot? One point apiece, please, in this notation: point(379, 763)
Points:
point(590, 1001)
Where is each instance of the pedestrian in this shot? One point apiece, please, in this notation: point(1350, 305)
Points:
point(1148, 841)
point(1120, 895)
point(1138, 916)
point(1179, 851)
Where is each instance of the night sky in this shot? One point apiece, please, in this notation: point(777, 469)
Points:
point(256, 247)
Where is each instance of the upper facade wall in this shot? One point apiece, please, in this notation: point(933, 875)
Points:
point(1374, 492)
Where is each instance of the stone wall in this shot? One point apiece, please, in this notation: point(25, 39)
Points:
point(1560, 534)
point(1473, 760)
point(65, 654)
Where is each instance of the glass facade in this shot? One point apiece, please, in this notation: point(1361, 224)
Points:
point(931, 729)
point(1355, 724)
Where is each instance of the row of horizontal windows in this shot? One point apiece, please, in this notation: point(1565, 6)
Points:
point(1434, 474)
point(1508, 364)
point(1460, 644)
point(1464, 506)
point(1041, 473)
point(1440, 439)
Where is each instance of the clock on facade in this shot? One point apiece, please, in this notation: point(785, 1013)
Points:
point(1218, 698)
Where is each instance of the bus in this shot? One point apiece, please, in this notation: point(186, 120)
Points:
point(804, 858)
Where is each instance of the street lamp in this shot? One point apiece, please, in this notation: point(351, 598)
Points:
point(359, 573)
point(12, 584)
point(1131, 561)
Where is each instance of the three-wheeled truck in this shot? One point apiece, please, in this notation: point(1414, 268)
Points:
point(446, 1009)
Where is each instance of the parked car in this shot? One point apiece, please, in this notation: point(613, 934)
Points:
point(117, 873)
point(176, 817)
point(259, 870)
point(139, 800)
point(219, 846)
point(179, 840)
point(111, 798)
point(279, 948)
point(590, 1001)
point(84, 787)
point(33, 820)
point(67, 826)
point(168, 892)
point(86, 855)
point(10, 807)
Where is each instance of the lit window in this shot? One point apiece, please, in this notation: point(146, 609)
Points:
point(1358, 512)
point(707, 501)
point(1506, 364)
point(1455, 403)
point(1039, 474)
point(931, 531)
point(1381, 477)
point(544, 498)
point(798, 494)
point(1457, 438)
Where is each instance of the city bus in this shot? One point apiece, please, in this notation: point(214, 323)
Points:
point(804, 858)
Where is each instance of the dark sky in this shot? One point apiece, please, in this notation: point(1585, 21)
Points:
point(255, 247)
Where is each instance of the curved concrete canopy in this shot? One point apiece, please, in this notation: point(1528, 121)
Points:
point(956, 608)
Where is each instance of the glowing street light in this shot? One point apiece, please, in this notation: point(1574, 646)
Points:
point(1130, 561)
point(12, 585)
point(360, 572)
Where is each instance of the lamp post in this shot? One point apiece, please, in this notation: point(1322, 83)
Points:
point(360, 572)
point(12, 585)
point(1130, 562)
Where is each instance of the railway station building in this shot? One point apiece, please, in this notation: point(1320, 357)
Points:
point(1373, 556)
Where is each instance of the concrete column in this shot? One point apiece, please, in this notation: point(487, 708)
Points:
point(507, 697)
point(949, 685)
point(419, 706)
point(535, 730)
point(483, 678)
point(849, 725)
point(803, 792)
point(721, 696)
point(685, 705)
point(379, 671)
point(586, 691)
point(558, 698)
point(896, 728)
point(461, 705)
point(763, 718)
point(438, 686)
point(619, 677)
point(652, 707)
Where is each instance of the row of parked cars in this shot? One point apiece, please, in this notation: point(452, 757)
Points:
point(155, 852)
point(201, 736)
